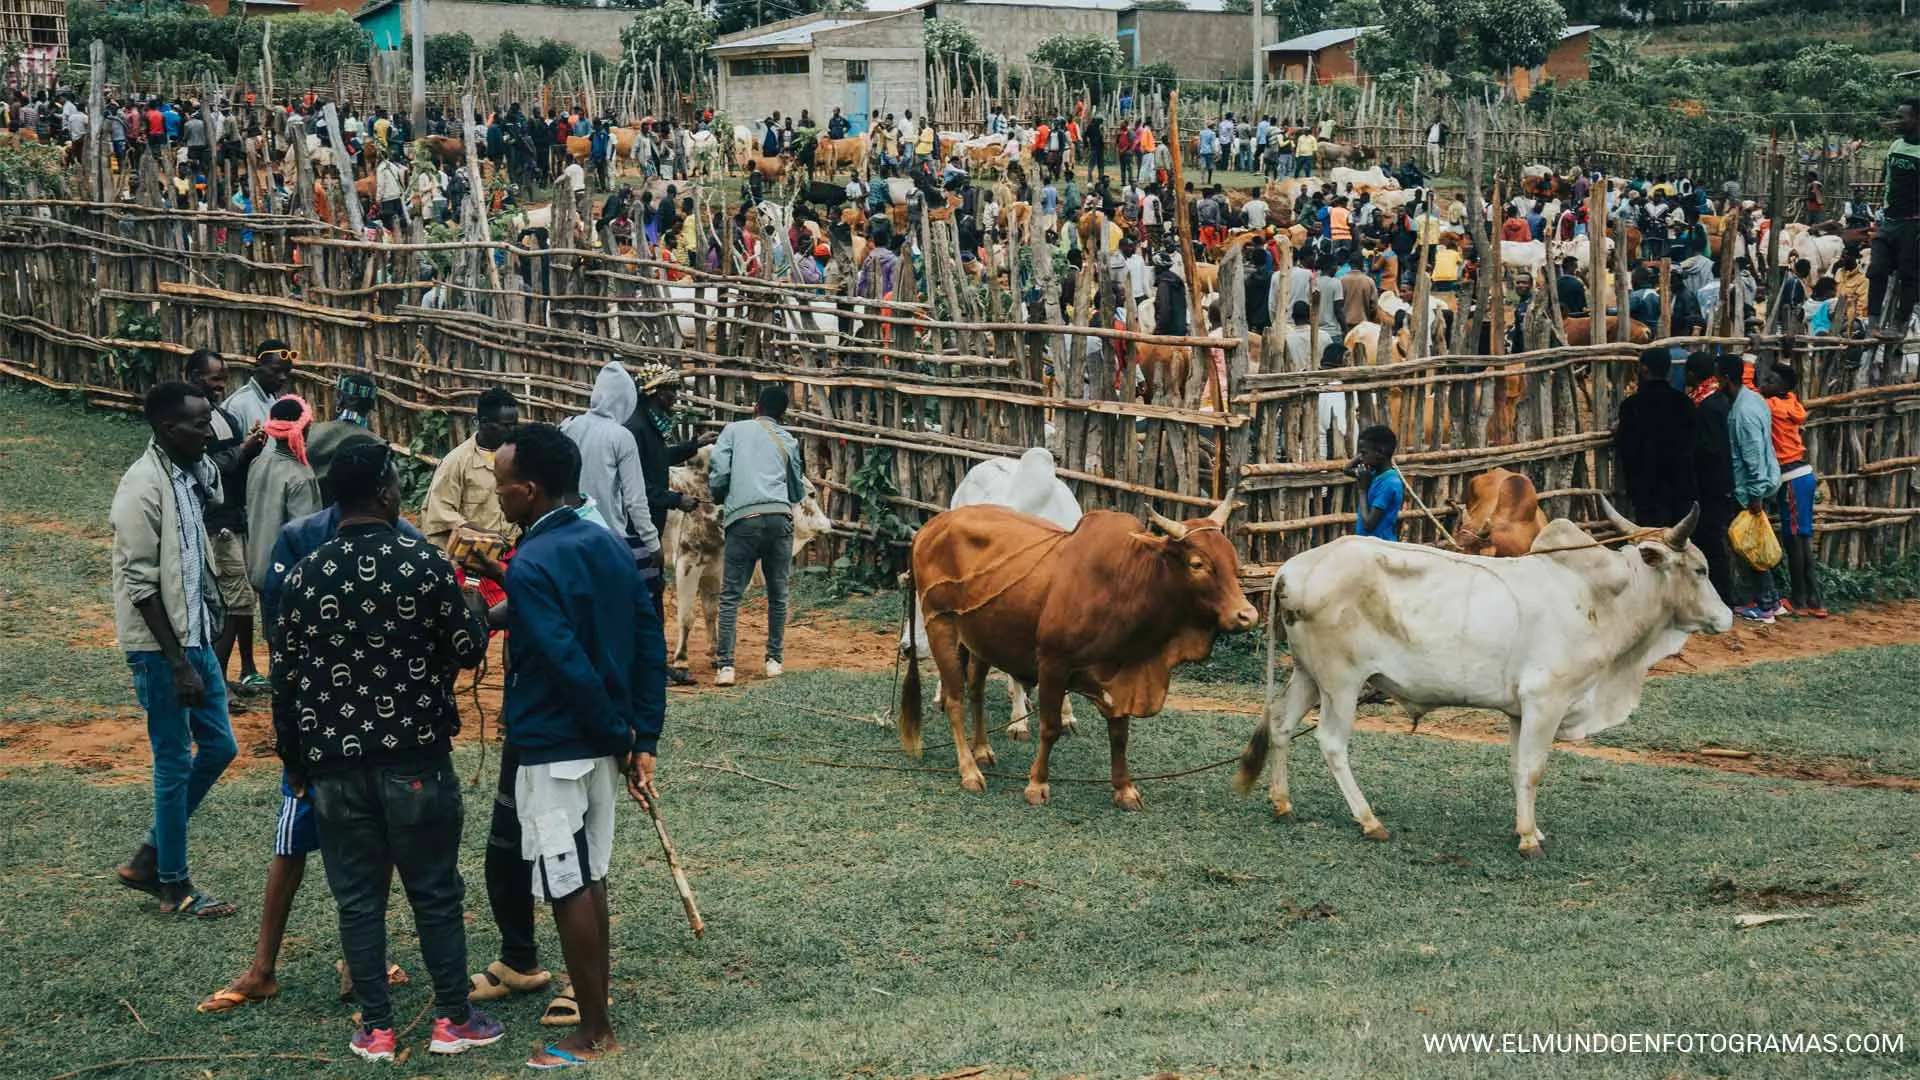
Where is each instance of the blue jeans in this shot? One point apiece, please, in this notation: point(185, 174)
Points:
point(191, 748)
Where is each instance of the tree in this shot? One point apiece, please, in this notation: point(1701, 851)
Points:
point(677, 31)
point(1616, 57)
point(1462, 37)
point(953, 45)
point(1091, 62)
point(1157, 78)
point(1296, 16)
point(733, 16)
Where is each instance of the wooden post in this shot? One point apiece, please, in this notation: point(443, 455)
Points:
point(1196, 313)
point(1665, 329)
point(266, 64)
point(97, 142)
point(302, 166)
point(344, 165)
point(418, 103)
point(1597, 258)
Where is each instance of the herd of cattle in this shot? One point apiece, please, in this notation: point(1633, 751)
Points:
point(1531, 618)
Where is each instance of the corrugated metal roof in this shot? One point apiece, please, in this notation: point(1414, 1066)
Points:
point(1576, 31)
point(1092, 5)
point(1321, 40)
point(791, 37)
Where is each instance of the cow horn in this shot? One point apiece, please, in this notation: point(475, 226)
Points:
point(1167, 525)
point(1615, 519)
point(1678, 536)
point(1222, 512)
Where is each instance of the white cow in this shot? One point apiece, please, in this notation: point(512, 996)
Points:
point(1560, 640)
point(1029, 486)
point(694, 543)
point(1353, 181)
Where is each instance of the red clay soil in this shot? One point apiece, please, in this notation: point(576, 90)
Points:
point(111, 742)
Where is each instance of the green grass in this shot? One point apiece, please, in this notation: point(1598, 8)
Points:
point(62, 460)
point(886, 923)
point(1860, 709)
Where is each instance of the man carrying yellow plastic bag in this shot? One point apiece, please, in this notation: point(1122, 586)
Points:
point(1756, 476)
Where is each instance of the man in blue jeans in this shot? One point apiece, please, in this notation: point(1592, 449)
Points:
point(166, 616)
point(756, 476)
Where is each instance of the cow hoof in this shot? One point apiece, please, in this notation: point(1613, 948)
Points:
point(1532, 850)
point(1039, 794)
point(1283, 807)
point(1127, 798)
point(1067, 726)
point(1017, 731)
point(983, 755)
point(1375, 831)
point(973, 782)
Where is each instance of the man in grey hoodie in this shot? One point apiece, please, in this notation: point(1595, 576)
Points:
point(756, 476)
point(610, 463)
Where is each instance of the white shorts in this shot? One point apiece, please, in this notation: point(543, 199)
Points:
point(566, 823)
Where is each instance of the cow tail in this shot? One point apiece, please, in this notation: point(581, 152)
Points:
point(1254, 758)
point(909, 711)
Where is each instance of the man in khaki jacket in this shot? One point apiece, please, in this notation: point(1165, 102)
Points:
point(166, 610)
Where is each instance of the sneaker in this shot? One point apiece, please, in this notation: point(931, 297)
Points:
point(255, 685)
point(773, 669)
point(1756, 613)
point(723, 677)
point(1786, 610)
point(1814, 612)
point(479, 1030)
point(375, 1044)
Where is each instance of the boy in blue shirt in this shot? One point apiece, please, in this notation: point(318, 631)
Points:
point(1379, 513)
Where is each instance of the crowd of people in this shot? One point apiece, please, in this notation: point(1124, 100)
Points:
point(242, 503)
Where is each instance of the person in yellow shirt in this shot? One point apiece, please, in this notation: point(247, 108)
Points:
point(923, 145)
point(1304, 148)
point(462, 493)
point(1850, 289)
point(1446, 268)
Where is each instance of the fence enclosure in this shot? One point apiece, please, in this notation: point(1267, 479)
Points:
point(894, 398)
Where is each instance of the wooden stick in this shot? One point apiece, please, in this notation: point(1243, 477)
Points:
point(680, 883)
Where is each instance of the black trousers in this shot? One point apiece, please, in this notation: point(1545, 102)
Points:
point(1710, 535)
point(374, 821)
point(510, 877)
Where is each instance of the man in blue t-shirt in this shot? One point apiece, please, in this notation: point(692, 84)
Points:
point(1379, 513)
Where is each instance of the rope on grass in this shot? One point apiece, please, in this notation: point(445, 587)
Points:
point(127, 1063)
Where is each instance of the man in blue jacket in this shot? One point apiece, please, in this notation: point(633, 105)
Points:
point(586, 694)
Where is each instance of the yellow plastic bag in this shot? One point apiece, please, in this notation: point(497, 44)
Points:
point(1752, 536)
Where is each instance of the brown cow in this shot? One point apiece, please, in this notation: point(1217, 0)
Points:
point(446, 150)
point(1502, 516)
point(1106, 611)
point(1580, 330)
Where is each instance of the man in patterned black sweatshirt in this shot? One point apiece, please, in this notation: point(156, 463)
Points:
point(372, 629)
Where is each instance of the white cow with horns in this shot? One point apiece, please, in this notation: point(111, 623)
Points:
point(1029, 486)
point(1559, 639)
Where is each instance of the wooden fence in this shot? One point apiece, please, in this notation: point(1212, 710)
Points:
point(914, 389)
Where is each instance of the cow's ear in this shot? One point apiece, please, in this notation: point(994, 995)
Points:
point(1653, 555)
point(1157, 542)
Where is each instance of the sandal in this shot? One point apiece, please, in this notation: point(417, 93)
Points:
point(562, 1059)
point(198, 905)
point(227, 999)
point(396, 976)
point(500, 980)
point(141, 872)
point(564, 1009)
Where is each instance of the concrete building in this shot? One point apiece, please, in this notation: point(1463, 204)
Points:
point(1201, 41)
point(1326, 56)
point(596, 29)
point(858, 62)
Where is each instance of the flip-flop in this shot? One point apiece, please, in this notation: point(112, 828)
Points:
point(567, 1060)
point(199, 905)
point(227, 999)
point(150, 886)
point(396, 976)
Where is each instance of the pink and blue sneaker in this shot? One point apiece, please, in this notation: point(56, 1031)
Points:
point(374, 1044)
point(479, 1030)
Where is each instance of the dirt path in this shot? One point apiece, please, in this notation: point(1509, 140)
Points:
point(110, 741)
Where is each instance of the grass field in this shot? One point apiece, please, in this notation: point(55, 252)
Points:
point(881, 923)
